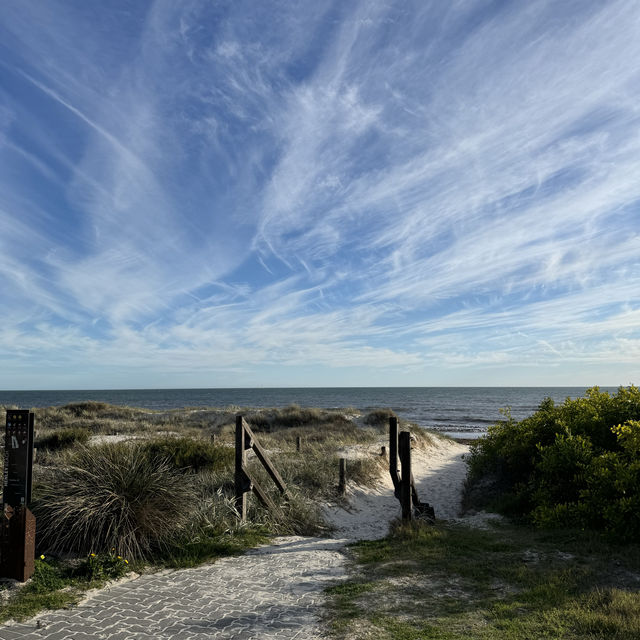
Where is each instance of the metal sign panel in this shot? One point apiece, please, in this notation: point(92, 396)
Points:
point(18, 458)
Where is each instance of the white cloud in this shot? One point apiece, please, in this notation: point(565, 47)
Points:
point(363, 186)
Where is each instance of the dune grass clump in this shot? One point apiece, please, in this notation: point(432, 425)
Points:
point(189, 453)
point(379, 417)
point(63, 438)
point(112, 496)
point(293, 416)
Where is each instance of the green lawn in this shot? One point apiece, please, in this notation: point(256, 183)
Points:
point(451, 582)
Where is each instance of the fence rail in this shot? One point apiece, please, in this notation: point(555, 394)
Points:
point(245, 481)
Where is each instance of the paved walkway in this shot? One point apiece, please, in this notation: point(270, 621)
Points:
point(273, 592)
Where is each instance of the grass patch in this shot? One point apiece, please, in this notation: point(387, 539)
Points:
point(192, 454)
point(379, 417)
point(453, 582)
point(212, 544)
point(63, 438)
point(58, 585)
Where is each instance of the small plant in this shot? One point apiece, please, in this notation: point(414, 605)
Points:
point(85, 409)
point(47, 576)
point(104, 566)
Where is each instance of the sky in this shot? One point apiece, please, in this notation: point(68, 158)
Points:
point(213, 193)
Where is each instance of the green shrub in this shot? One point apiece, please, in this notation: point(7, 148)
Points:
point(190, 453)
point(576, 464)
point(112, 496)
point(63, 438)
point(47, 576)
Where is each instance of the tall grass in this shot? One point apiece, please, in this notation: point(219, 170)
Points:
point(62, 438)
point(136, 497)
point(193, 454)
point(112, 496)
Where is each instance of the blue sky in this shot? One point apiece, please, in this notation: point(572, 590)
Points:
point(212, 194)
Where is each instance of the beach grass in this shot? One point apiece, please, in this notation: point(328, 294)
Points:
point(453, 582)
point(157, 488)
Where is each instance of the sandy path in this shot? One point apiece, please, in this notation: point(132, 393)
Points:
point(439, 472)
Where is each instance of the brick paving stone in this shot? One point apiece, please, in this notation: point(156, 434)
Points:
point(272, 592)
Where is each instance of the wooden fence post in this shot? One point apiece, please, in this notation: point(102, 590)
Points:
point(342, 483)
point(405, 484)
point(240, 477)
point(393, 454)
point(298, 443)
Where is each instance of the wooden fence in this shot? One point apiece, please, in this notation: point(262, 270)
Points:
point(402, 478)
point(244, 480)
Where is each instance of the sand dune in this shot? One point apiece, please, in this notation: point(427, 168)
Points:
point(439, 472)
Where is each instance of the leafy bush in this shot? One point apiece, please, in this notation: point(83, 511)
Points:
point(112, 495)
point(575, 464)
point(47, 576)
point(190, 453)
point(63, 438)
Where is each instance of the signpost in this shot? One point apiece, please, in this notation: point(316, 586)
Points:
point(17, 534)
point(18, 458)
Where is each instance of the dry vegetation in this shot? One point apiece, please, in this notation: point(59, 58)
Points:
point(156, 488)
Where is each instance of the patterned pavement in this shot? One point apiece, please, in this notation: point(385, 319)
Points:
point(273, 592)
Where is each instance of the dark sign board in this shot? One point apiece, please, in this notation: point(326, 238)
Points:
point(18, 458)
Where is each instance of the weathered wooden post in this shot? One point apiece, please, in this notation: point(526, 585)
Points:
point(393, 454)
point(406, 482)
point(298, 443)
point(18, 524)
point(342, 482)
point(240, 476)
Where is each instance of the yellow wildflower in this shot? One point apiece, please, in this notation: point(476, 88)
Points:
point(41, 557)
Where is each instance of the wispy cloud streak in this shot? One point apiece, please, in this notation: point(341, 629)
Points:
point(388, 193)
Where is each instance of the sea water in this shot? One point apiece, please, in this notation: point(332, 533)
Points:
point(459, 411)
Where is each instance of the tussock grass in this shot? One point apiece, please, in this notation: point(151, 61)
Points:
point(294, 416)
point(112, 496)
point(64, 438)
point(379, 417)
point(189, 454)
point(98, 496)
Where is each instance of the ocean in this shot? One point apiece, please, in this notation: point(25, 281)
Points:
point(460, 411)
